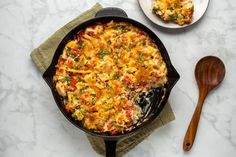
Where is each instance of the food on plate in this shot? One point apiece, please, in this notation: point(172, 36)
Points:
point(178, 11)
point(101, 72)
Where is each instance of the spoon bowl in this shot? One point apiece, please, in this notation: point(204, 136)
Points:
point(209, 73)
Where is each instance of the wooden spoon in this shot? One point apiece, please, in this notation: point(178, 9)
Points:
point(209, 73)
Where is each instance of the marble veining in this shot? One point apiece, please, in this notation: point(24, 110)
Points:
point(32, 125)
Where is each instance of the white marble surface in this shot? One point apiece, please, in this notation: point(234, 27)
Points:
point(32, 125)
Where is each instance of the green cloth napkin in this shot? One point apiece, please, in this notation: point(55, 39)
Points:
point(42, 57)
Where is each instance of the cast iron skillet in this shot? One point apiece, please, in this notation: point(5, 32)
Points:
point(158, 98)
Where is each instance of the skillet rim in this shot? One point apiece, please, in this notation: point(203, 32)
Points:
point(173, 75)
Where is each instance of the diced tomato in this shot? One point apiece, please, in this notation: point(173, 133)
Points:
point(90, 33)
point(123, 38)
point(71, 62)
point(90, 109)
point(120, 72)
point(121, 119)
point(98, 95)
point(158, 78)
point(79, 36)
point(142, 36)
point(110, 114)
point(100, 81)
point(109, 126)
point(82, 75)
point(68, 108)
point(82, 99)
point(128, 113)
point(123, 59)
point(116, 44)
point(73, 82)
point(92, 65)
point(126, 80)
point(75, 52)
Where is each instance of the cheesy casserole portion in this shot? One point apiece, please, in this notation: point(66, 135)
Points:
point(178, 11)
point(103, 69)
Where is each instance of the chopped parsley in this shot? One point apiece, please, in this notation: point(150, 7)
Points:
point(93, 95)
point(68, 51)
point(80, 44)
point(66, 79)
point(127, 48)
point(102, 53)
point(76, 59)
point(82, 90)
point(107, 86)
point(83, 111)
point(121, 30)
point(72, 110)
point(74, 117)
point(93, 101)
point(116, 76)
point(143, 42)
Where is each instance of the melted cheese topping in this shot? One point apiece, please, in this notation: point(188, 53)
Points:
point(178, 11)
point(103, 69)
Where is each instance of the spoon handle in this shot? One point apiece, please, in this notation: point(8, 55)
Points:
point(192, 128)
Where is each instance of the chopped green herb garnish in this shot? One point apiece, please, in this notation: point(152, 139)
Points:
point(143, 42)
point(102, 53)
point(76, 59)
point(79, 79)
point(80, 44)
point(82, 90)
point(74, 117)
point(66, 79)
point(83, 111)
point(72, 110)
point(93, 101)
point(68, 51)
point(116, 76)
point(128, 49)
point(107, 86)
point(121, 30)
point(173, 17)
point(93, 95)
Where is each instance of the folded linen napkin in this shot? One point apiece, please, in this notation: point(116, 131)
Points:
point(42, 57)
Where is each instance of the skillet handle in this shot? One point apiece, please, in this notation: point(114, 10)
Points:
point(110, 148)
point(111, 11)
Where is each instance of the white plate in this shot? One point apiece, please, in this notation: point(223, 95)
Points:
point(200, 7)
